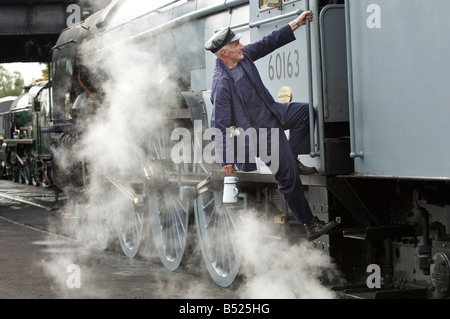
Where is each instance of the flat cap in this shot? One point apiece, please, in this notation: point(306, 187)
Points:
point(220, 39)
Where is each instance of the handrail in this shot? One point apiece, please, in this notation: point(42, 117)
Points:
point(236, 26)
point(59, 46)
point(313, 152)
point(351, 102)
point(257, 24)
point(109, 10)
point(144, 14)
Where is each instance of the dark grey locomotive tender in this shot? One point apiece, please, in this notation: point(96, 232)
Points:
point(375, 74)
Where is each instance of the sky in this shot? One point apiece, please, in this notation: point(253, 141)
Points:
point(29, 71)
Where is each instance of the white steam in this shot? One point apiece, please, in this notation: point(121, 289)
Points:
point(116, 137)
point(276, 269)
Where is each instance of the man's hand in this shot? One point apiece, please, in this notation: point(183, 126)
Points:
point(229, 169)
point(301, 20)
point(305, 15)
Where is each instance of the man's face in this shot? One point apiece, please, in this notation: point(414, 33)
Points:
point(234, 51)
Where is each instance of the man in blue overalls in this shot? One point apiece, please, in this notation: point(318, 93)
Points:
point(241, 100)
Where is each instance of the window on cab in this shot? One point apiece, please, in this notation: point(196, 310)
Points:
point(264, 4)
point(269, 4)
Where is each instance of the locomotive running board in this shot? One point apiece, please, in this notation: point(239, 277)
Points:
point(361, 291)
point(214, 179)
point(380, 232)
point(14, 142)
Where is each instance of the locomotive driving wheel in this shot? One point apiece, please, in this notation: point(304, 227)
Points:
point(168, 211)
point(217, 228)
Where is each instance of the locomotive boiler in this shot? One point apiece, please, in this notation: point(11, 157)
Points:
point(135, 78)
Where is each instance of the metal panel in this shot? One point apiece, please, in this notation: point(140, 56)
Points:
point(401, 73)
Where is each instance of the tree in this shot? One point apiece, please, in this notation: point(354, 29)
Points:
point(10, 84)
point(45, 73)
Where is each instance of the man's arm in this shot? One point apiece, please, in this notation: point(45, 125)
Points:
point(221, 120)
point(277, 38)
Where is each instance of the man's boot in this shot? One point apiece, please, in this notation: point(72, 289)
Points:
point(316, 228)
point(305, 170)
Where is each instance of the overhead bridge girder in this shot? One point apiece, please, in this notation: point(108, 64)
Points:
point(29, 29)
point(33, 17)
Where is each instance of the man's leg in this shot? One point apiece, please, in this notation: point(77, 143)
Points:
point(291, 187)
point(296, 120)
point(289, 182)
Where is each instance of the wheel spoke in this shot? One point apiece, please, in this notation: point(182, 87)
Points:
point(177, 225)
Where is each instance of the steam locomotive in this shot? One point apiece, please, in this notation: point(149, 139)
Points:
point(378, 134)
point(26, 148)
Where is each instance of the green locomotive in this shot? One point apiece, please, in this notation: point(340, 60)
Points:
point(26, 146)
